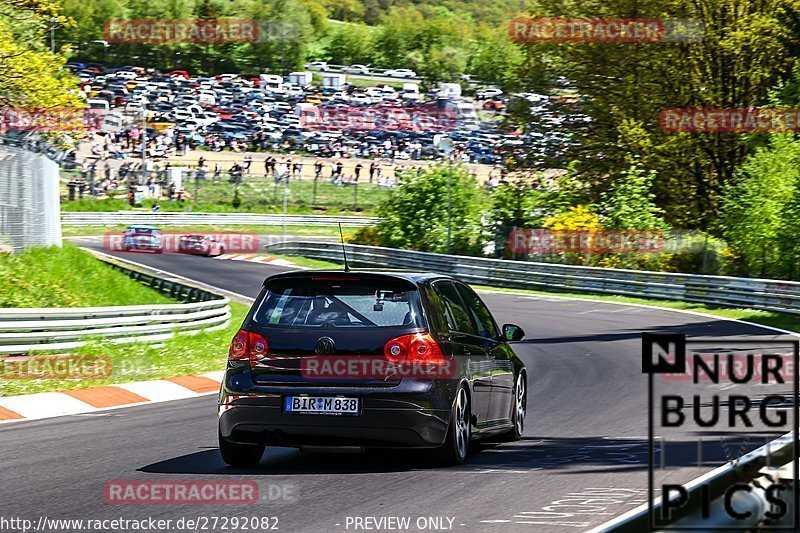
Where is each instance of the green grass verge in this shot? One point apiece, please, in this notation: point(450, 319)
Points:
point(184, 354)
point(67, 277)
point(307, 262)
point(71, 277)
point(258, 195)
point(292, 232)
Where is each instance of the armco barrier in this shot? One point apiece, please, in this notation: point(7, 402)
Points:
point(24, 329)
point(765, 294)
point(217, 219)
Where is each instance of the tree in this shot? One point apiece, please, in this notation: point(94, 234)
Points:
point(493, 57)
point(630, 205)
point(760, 210)
point(742, 50)
point(415, 214)
point(349, 44)
point(31, 76)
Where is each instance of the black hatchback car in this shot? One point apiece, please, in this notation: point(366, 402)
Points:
point(369, 360)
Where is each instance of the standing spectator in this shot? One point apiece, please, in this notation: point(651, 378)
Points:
point(282, 171)
point(248, 160)
point(317, 168)
point(358, 170)
point(289, 168)
point(235, 173)
point(372, 168)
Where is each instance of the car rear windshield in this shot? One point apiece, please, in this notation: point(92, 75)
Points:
point(333, 303)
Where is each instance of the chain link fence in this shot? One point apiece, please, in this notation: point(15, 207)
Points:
point(30, 213)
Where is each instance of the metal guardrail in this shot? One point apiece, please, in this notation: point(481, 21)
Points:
point(24, 330)
point(194, 219)
point(764, 294)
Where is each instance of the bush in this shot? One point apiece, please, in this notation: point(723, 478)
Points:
point(367, 236)
point(415, 214)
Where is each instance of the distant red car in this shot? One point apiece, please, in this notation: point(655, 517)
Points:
point(200, 245)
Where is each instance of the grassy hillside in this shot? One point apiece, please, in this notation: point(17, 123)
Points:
point(67, 277)
point(71, 277)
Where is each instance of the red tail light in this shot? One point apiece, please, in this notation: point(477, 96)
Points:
point(414, 348)
point(248, 345)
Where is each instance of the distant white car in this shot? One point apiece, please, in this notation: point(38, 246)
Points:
point(317, 65)
point(488, 93)
point(357, 69)
point(294, 90)
point(401, 73)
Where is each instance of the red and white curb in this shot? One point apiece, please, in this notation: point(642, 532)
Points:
point(255, 258)
point(78, 401)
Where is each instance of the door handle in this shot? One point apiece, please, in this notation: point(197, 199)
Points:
point(466, 351)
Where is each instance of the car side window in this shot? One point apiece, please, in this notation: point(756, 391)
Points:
point(479, 312)
point(455, 312)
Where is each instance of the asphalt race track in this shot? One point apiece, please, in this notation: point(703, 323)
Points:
point(583, 459)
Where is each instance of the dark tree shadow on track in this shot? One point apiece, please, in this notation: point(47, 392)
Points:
point(562, 455)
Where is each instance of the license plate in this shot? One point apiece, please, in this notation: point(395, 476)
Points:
point(321, 405)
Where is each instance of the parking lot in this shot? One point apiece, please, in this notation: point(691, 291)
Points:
point(249, 113)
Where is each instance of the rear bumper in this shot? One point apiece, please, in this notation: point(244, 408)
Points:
point(422, 428)
point(412, 413)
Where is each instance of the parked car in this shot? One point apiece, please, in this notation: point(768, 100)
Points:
point(317, 65)
point(142, 238)
point(401, 73)
point(469, 384)
point(200, 245)
point(357, 69)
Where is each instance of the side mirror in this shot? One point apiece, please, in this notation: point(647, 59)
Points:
point(512, 332)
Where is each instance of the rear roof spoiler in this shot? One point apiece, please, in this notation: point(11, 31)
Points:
point(339, 275)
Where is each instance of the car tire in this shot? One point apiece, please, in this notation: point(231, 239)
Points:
point(455, 449)
point(519, 412)
point(234, 454)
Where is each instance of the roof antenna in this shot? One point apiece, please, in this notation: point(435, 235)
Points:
point(344, 252)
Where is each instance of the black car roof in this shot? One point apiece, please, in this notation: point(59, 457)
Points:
point(410, 276)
